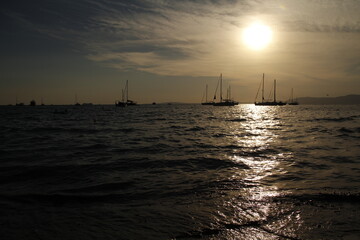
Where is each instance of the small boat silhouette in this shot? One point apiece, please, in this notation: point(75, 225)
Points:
point(125, 98)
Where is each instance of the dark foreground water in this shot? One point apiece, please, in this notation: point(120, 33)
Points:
point(180, 172)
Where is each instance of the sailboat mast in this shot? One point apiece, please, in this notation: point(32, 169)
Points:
point(274, 90)
point(206, 93)
point(263, 83)
point(221, 87)
point(127, 90)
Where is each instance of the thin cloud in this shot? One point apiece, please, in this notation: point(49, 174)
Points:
point(198, 37)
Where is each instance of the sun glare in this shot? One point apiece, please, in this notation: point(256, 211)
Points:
point(257, 36)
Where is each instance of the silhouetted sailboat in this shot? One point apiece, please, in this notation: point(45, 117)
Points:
point(206, 101)
point(227, 101)
point(121, 103)
point(291, 100)
point(268, 103)
point(17, 103)
point(125, 98)
point(76, 100)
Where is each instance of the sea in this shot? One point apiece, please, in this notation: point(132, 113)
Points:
point(180, 171)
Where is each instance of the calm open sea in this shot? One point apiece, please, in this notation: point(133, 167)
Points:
point(180, 172)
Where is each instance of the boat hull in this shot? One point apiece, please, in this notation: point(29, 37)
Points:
point(207, 103)
point(270, 104)
point(226, 103)
point(293, 103)
point(120, 104)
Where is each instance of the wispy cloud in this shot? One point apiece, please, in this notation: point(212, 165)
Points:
point(168, 37)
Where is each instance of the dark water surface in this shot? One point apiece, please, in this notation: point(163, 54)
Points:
point(180, 172)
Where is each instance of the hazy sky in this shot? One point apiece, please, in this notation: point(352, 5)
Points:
point(169, 49)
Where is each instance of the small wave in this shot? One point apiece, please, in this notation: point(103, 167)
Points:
point(126, 130)
point(220, 135)
point(312, 165)
point(322, 197)
point(231, 146)
point(349, 130)
point(340, 119)
point(157, 148)
point(60, 173)
point(210, 233)
point(18, 174)
point(346, 130)
point(318, 129)
point(101, 188)
point(213, 163)
point(196, 164)
point(258, 151)
point(47, 129)
point(212, 118)
point(88, 130)
point(176, 127)
point(160, 119)
point(64, 130)
point(230, 184)
point(196, 129)
point(205, 146)
point(96, 146)
point(287, 177)
point(68, 198)
point(237, 120)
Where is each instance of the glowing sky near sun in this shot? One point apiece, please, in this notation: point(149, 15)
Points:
point(257, 36)
point(169, 50)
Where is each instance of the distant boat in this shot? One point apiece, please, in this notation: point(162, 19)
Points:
point(291, 100)
point(32, 103)
point(268, 103)
point(206, 101)
point(17, 103)
point(224, 102)
point(125, 98)
point(121, 103)
point(76, 101)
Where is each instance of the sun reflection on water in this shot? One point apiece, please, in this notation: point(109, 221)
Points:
point(261, 160)
point(254, 210)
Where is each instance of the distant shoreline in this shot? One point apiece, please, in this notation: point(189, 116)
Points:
point(341, 100)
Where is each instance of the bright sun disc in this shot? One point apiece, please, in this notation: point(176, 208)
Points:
point(257, 36)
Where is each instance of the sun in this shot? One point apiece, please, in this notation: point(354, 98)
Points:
point(257, 36)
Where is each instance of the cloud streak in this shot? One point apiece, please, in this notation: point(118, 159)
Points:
point(198, 38)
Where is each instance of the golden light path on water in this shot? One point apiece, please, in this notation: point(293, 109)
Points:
point(254, 214)
point(260, 136)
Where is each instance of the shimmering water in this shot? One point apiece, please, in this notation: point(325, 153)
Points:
point(180, 172)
